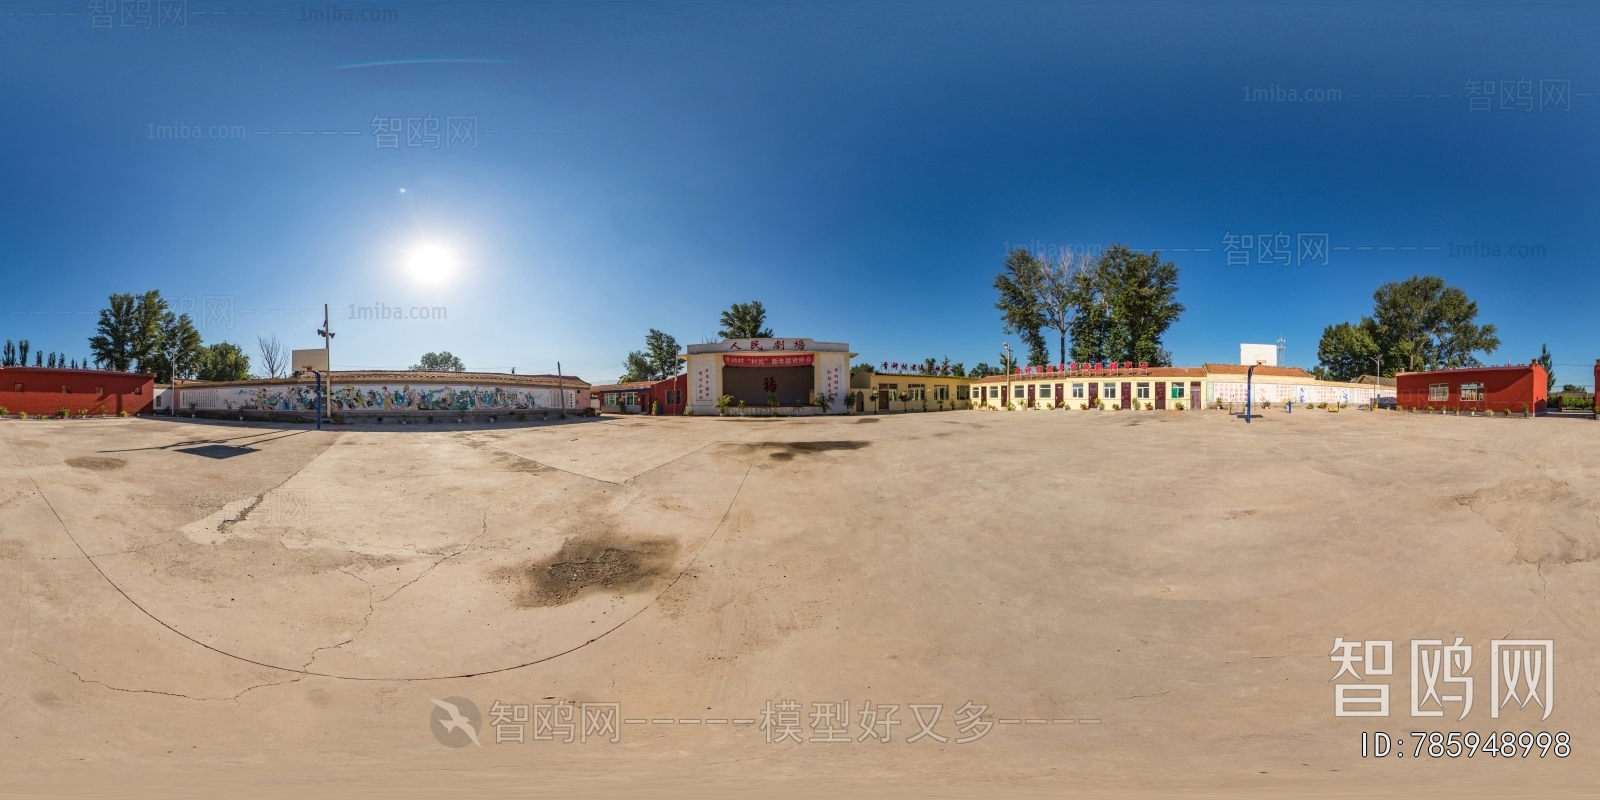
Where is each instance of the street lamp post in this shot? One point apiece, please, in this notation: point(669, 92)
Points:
point(1249, 391)
point(326, 333)
point(1377, 384)
point(1009, 361)
point(319, 398)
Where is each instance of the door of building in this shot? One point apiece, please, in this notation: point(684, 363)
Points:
point(1161, 395)
point(883, 399)
point(1127, 395)
point(1061, 399)
point(1094, 395)
point(1194, 394)
point(1030, 395)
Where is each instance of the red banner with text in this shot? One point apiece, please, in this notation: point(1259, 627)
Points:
point(767, 361)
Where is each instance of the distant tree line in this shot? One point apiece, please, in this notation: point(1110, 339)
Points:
point(15, 354)
point(141, 333)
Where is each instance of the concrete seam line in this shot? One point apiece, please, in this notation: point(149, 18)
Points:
point(134, 603)
point(693, 559)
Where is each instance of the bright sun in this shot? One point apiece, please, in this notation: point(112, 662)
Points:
point(431, 263)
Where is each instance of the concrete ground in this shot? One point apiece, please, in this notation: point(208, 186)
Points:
point(1114, 603)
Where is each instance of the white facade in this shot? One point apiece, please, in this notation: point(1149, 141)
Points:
point(829, 363)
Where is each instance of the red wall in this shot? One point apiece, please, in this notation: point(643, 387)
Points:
point(1505, 388)
point(658, 394)
point(42, 390)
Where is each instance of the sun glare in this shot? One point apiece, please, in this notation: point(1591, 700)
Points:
point(431, 263)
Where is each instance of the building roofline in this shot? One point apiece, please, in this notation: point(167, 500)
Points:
point(79, 371)
point(403, 376)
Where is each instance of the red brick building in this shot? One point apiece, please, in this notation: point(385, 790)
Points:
point(45, 391)
point(1507, 388)
point(637, 397)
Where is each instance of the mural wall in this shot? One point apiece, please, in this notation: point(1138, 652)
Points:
point(376, 397)
point(1229, 392)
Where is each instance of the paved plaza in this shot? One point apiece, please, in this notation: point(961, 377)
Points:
point(1054, 603)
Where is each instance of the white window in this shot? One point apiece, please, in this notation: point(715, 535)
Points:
point(1077, 390)
point(1177, 391)
point(1144, 391)
point(1108, 390)
point(1019, 391)
point(918, 391)
point(941, 392)
point(961, 392)
point(1438, 391)
point(1044, 391)
point(1471, 392)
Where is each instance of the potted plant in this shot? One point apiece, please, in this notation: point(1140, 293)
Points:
point(1178, 406)
point(723, 403)
point(904, 397)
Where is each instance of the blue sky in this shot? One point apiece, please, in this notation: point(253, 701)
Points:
point(860, 168)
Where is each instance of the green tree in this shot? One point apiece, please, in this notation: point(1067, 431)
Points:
point(1346, 351)
point(176, 351)
point(658, 361)
point(1019, 285)
point(635, 367)
point(1124, 302)
point(223, 361)
point(129, 332)
point(442, 361)
point(983, 370)
point(8, 357)
point(663, 351)
point(1425, 324)
point(22, 346)
point(745, 321)
point(1549, 365)
point(1140, 293)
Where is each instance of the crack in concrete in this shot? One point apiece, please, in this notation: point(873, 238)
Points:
point(74, 673)
point(435, 564)
point(366, 620)
point(1140, 696)
point(224, 526)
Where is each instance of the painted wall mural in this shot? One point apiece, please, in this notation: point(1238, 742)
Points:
point(372, 397)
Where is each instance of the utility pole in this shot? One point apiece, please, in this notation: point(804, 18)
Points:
point(561, 390)
point(1249, 391)
point(1009, 369)
point(1377, 384)
point(327, 341)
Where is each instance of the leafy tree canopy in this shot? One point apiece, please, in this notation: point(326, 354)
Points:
point(658, 361)
point(223, 361)
point(1416, 324)
point(441, 361)
point(745, 321)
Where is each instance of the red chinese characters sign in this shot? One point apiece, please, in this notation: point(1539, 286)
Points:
point(803, 360)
